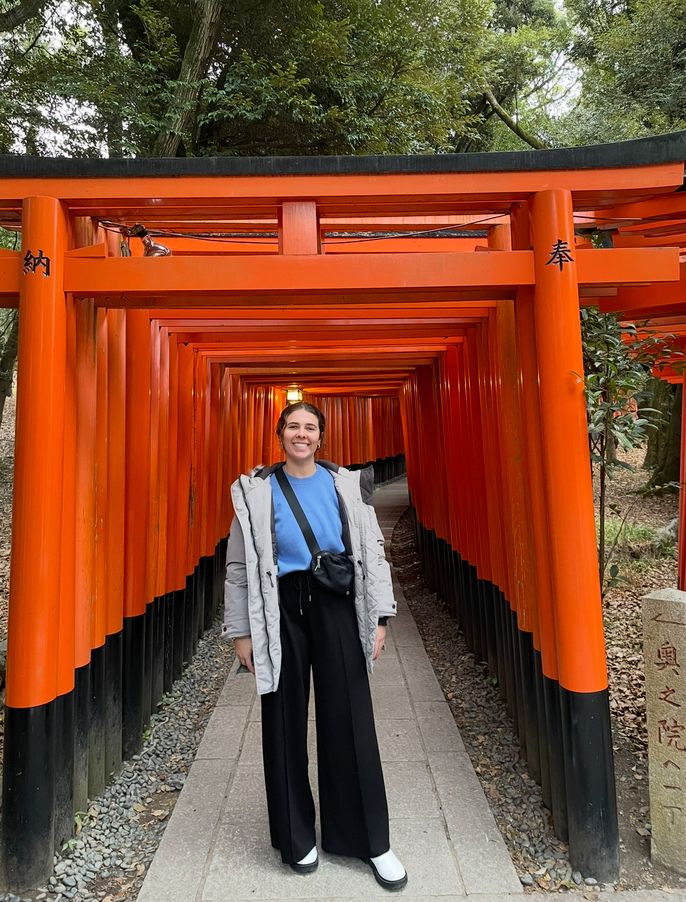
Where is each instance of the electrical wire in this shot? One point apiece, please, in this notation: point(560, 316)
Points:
point(221, 237)
point(270, 238)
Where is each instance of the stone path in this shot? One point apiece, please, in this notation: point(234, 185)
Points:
point(216, 846)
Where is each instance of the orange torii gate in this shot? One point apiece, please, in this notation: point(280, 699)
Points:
point(428, 304)
point(658, 222)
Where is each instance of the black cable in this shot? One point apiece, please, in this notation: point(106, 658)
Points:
point(232, 238)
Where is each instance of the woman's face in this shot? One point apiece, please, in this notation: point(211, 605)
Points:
point(300, 436)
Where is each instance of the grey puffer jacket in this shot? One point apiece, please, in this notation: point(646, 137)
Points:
point(251, 598)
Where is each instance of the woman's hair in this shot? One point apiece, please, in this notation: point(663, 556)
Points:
point(300, 405)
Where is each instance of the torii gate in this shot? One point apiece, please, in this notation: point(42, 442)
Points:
point(431, 306)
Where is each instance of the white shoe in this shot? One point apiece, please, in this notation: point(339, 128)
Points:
point(388, 871)
point(307, 864)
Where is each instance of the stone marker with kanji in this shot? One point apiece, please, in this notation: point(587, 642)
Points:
point(664, 650)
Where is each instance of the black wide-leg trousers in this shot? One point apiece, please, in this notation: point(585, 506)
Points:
point(319, 631)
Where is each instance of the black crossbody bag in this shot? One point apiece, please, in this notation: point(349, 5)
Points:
point(330, 569)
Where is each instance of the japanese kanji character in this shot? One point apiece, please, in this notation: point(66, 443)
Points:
point(32, 262)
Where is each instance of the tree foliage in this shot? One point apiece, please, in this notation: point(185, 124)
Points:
point(618, 361)
point(274, 77)
point(143, 77)
point(633, 58)
point(528, 42)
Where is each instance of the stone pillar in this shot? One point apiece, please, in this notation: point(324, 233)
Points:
point(664, 650)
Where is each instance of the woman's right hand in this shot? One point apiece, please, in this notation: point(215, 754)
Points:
point(243, 648)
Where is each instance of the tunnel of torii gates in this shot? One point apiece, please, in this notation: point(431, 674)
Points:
point(430, 306)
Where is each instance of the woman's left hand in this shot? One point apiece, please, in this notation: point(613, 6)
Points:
point(379, 640)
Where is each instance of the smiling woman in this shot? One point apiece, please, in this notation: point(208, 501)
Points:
point(286, 628)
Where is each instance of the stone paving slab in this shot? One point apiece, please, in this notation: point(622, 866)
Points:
point(243, 857)
point(387, 671)
point(216, 846)
point(240, 691)
point(410, 790)
point(391, 702)
point(399, 740)
point(403, 631)
point(437, 727)
point(177, 870)
point(223, 733)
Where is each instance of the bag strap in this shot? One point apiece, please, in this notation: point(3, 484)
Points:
point(298, 512)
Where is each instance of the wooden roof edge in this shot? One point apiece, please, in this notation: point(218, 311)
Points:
point(651, 151)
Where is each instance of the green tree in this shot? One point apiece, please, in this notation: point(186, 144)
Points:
point(528, 45)
point(632, 61)
point(138, 77)
point(618, 361)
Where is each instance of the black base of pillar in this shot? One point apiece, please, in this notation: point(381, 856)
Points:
point(113, 703)
point(529, 709)
point(147, 662)
point(64, 768)
point(179, 612)
point(82, 705)
point(589, 769)
point(96, 733)
point(196, 605)
point(199, 583)
point(188, 622)
point(556, 758)
point(28, 807)
point(220, 573)
point(208, 567)
point(542, 730)
point(132, 684)
point(157, 653)
point(168, 620)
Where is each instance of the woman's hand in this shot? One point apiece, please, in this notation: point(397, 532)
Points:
point(379, 640)
point(243, 648)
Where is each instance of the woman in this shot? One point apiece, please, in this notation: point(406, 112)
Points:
point(284, 623)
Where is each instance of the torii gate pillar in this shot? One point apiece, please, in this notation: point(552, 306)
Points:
point(34, 616)
point(584, 704)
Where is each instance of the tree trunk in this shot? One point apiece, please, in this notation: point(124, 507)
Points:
point(667, 466)
point(8, 355)
point(196, 58)
point(661, 398)
point(20, 13)
point(527, 137)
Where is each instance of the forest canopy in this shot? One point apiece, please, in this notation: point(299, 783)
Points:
point(89, 78)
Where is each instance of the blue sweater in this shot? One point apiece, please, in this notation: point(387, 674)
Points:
point(318, 499)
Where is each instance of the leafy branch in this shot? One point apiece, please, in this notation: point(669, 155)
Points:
point(618, 360)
